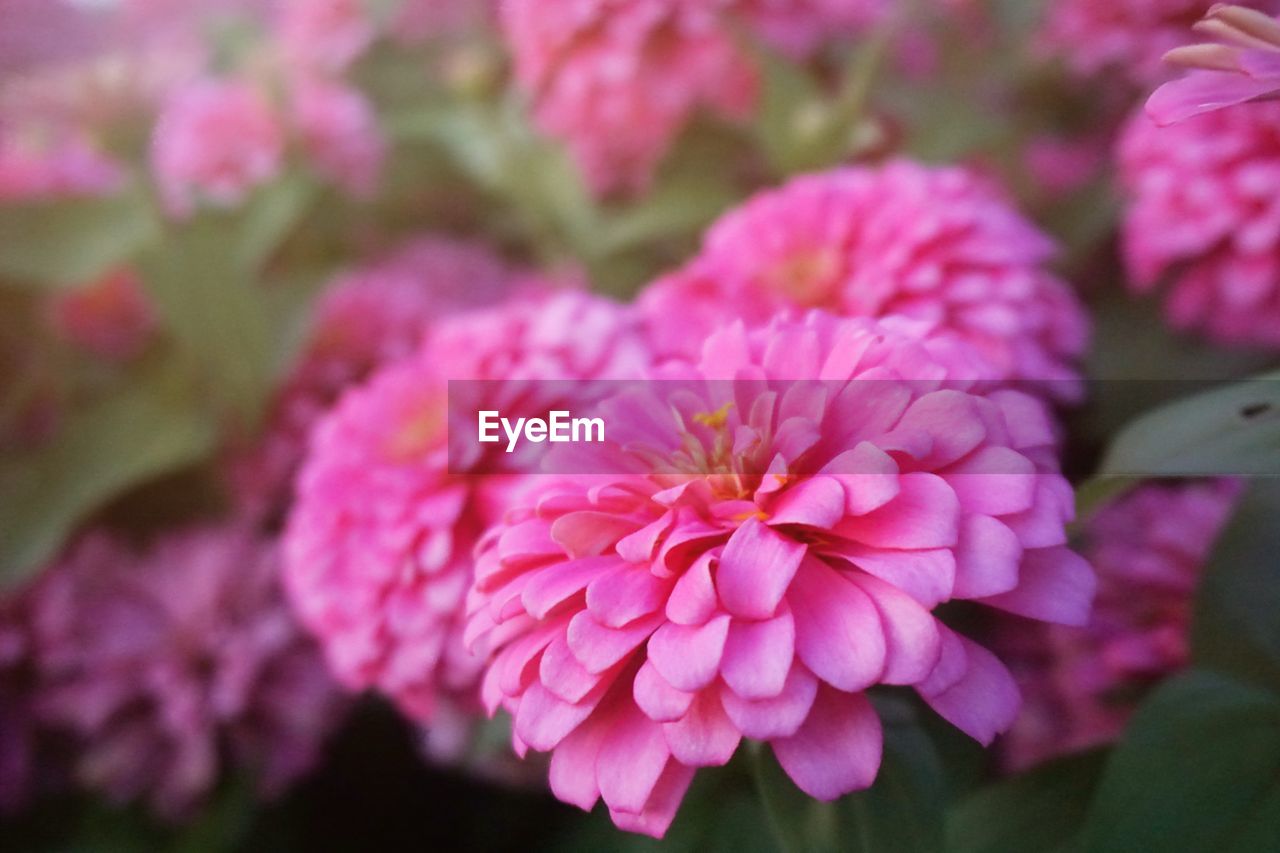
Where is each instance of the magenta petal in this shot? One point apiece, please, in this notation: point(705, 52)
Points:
point(987, 558)
point(663, 803)
point(625, 594)
point(925, 514)
point(631, 759)
point(815, 502)
point(869, 476)
point(950, 421)
point(758, 656)
point(638, 547)
point(912, 641)
point(597, 648)
point(994, 481)
point(704, 737)
point(693, 598)
point(573, 766)
point(543, 720)
point(755, 568)
point(527, 542)
point(928, 576)
point(659, 700)
point(984, 701)
point(1054, 585)
point(779, 716)
point(688, 657)
point(838, 631)
point(1204, 91)
point(837, 750)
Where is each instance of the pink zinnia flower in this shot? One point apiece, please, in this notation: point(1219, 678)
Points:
point(164, 665)
point(1203, 213)
point(339, 134)
point(379, 540)
point(215, 141)
point(110, 317)
point(1241, 64)
point(936, 244)
point(323, 36)
point(641, 623)
point(1083, 684)
point(364, 320)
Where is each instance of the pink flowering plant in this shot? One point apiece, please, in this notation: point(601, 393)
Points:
point(769, 425)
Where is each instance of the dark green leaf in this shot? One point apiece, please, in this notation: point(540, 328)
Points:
point(1198, 769)
point(70, 242)
point(1035, 812)
point(149, 429)
point(1237, 624)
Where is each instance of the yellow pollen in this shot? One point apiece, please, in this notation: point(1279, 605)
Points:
point(759, 515)
point(716, 419)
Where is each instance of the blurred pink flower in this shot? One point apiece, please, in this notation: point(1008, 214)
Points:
point(339, 133)
point(379, 540)
point(111, 317)
point(1060, 165)
point(1123, 37)
point(365, 319)
point(618, 80)
point(215, 141)
point(165, 665)
point(1203, 213)
point(420, 20)
point(1082, 684)
point(935, 244)
point(323, 36)
point(641, 624)
point(67, 167)
point(1241, 64)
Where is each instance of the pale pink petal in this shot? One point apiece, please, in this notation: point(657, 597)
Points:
point(779, 716)
point(556, 584)
point(869, 476)
point(927, 576)
point(755, 568)
point(1204, 91)
point(912, 641)
point(704, 737)
point(758, 656)
point(987, 558)
point(1054, 585)
point(925, 514)
point(573, 766)
point(625, 594)
point(658, 699)
point(994, 481)
point(984, 701)
point(838, 631)
point(661, 808)
point(588, 534)
point(688, 657)
point(693, 598)
point(597, 648)
point(631, 759)
point(543, 720)
point(561, 674)
point(817, 502)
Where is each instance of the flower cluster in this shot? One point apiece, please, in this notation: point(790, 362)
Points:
point(640, 625)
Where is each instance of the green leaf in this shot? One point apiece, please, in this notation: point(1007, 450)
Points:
point(1234, 429)
point(271, 214)
point(149, 429)
point(1237, 624)
point(1036, 812)
point(216, 310)
point(1198, 769)
point(73, 241)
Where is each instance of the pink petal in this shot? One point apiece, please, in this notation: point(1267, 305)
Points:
point(780, 716)
point(573, 766)
point(912, 641)
point(1204, 91)
point(983, 702)
point(869, 476)
point(817, 502)
point(987, 558)
point(543, 720)
point(526, 543)
point(693, 598)
point(1044, 524)
point(638, 547)
point(837, 750)
point(928, 576)
point(663, 803)
point(556, 584)
point(625, 594)
point(704, 737)
point(659, 700)
point(949, 422)
point(758, 656)
point(588, 534)
point(925, 514)
point(1054, 585)
point(838, 631)
point(755, 568)
point(688, 657)
point(631, 759)
point(994, 481)
point(561, 674)
point(597, 648)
